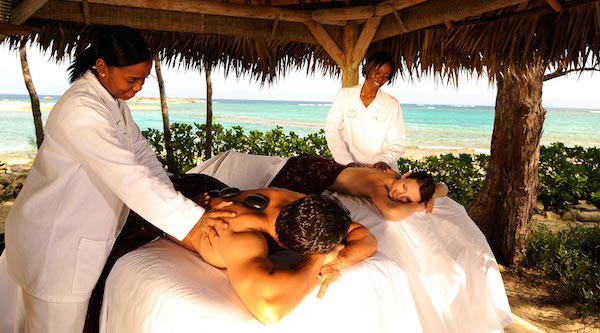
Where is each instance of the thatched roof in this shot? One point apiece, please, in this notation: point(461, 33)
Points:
point(268, 37)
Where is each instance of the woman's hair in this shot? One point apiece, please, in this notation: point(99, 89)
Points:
point(426, 184)
point(313, 224)
point(117, 45)
point(377, 60)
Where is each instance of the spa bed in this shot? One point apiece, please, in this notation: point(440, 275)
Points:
point(433, 272)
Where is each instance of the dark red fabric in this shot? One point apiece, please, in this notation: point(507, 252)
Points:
point(308, 174)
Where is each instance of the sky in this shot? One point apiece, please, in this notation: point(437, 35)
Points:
point(571, 91)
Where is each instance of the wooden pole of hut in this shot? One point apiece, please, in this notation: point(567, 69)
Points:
point(35, 101)
point(165, 111)
point(209, 113)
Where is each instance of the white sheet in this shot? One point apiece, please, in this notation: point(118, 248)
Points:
point(162, 287)
point(453, 275)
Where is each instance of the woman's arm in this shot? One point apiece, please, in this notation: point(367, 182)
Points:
point(441, 190)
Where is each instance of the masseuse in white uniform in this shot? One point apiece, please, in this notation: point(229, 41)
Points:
point(93, 166)
point(365, 126)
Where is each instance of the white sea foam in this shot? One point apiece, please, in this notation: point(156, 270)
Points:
point(314, 104)
point(12, 105)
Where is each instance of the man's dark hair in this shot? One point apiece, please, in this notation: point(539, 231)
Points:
point(313, 224)
point(426, 184)
point(377, 60)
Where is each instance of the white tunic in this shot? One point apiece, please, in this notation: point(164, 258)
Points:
point(93, 166)
point(356, 133)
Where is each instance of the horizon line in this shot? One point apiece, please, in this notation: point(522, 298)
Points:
point(41, 96)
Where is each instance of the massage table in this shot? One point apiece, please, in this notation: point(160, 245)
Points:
point(432, 272)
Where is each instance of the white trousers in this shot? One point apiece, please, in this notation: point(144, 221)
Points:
point(43, 316)
point(21, 312)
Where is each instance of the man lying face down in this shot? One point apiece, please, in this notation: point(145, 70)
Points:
point(267, 220)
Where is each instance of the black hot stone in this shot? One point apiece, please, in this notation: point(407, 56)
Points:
point(256, 201)
point(229, 192)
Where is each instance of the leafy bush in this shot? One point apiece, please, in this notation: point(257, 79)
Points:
point(464, 174)
point(570, 258)
point(186, 147)
point(569, 174)
point(189, 140)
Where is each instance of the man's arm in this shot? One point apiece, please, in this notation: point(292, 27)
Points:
point(267, 292)
point(359, 245)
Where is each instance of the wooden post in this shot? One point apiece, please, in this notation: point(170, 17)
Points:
point(165, 114)
point(504, 205)
point(349, 74)
point(209, 109)
point(35, 101)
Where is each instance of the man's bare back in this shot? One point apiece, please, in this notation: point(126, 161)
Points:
point(249, 223)
point(243, 248)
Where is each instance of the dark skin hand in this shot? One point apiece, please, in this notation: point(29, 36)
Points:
point(359, 165)
point(208, 225)
point(381, 166)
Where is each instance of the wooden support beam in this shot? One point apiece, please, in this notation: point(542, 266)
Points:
point(332, 48)
point(15, 30)
point(401, 25)
point(555, 4)
point(25, 9)
point(343, 14)
point(86, 12)
point(180, 22)
point(448, 25)
point(274, 29)
point(231, 10)
point(523, 6)
point(364, 40)
point(387, 7)
point(351, 36)
point(435, 12)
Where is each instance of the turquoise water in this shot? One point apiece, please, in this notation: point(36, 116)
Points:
point(443, 126)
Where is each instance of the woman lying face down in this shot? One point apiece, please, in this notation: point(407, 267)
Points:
point(395, 196)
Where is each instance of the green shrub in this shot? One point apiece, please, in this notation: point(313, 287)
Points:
point(464, 174)
point(570, 260)
point(569, 174)
point(186, 147)
point(189, 141)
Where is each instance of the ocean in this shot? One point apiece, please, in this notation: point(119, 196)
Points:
point(428, 126)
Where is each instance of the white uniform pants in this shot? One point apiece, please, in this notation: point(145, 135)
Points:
point(43, 316)
point(21, 312)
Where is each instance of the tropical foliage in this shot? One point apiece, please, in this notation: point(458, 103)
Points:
point(570, 259)
point(567, 174)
